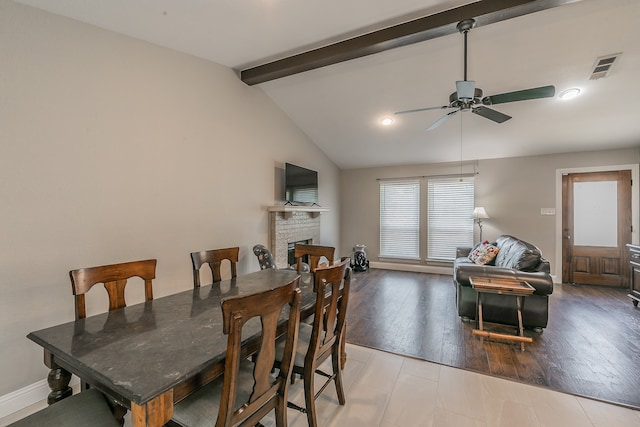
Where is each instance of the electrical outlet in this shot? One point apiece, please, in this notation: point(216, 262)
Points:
point(547, 211)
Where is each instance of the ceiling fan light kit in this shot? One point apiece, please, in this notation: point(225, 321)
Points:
point(567, 94)
point(468, 97)
point(466, 91)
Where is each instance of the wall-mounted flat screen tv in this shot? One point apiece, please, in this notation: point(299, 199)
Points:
point(301, 185)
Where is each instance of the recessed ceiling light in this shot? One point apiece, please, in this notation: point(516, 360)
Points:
point(569, 93)
point(387, 121)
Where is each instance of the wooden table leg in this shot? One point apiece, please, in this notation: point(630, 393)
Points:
point(479, 316)
point(520, 328)
point(58, 380)
point(479, 324)
point(154, 413)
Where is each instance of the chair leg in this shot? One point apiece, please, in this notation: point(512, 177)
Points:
point(343, 351)
point(337, 371)
point(281, 415)
point(118, 410)
point(309, 396)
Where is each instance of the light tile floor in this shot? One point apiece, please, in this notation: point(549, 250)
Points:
point(388, 390)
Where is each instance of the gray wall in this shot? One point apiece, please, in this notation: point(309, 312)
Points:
point(512, 190)
point(113, 149)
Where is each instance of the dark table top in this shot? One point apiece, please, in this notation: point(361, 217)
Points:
point(143, 350)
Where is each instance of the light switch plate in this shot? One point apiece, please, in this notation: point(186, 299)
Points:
point(547, 211)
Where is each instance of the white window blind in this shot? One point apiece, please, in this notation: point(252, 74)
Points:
point(400, 219)
point(450, 222)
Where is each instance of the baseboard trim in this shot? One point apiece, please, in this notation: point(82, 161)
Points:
point(422, 268)
point(27, 396)
point(411, 267)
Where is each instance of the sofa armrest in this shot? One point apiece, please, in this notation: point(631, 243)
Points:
point(541, 281)
point(544, 266)
point(463, 251)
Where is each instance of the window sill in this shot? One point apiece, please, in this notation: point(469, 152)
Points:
point(388, 258)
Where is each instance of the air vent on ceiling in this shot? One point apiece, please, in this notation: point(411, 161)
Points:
point(603, 66)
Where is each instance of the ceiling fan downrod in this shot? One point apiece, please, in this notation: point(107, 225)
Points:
point(464, 27)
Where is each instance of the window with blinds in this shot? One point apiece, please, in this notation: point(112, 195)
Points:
point(304, 195)
point(400, 219)
point(449, 218)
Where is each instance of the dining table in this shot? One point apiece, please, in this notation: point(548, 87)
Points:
point(150, 355)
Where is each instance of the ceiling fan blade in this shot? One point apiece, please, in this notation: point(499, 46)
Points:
point(422, 109)
point(490, 114)
point(441, 120)
point(520, 95)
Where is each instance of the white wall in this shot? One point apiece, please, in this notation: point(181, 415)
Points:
point(512, 190)
point(113, 149)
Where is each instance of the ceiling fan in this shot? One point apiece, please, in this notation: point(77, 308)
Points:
point(468, 97)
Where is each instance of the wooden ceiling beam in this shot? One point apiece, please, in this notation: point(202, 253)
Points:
point(415, 31)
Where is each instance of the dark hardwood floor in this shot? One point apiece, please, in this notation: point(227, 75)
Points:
point(591, 346)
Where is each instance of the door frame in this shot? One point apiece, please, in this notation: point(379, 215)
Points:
point(635, 206)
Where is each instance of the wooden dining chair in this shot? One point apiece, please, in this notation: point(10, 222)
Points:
point(247, 391)
point(315, 254)
point(214, 258)
point(86, 409)
point(114, 277)
point(324, 337)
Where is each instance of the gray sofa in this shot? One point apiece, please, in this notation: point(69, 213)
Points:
point(516, 259)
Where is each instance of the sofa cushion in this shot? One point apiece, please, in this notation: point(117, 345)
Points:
point(517, 254)
point(484, 254)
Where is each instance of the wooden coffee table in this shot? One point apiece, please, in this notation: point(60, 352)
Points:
point(517, 288)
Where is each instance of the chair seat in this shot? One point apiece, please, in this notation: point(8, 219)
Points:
point(201, 408)
point(86, 409)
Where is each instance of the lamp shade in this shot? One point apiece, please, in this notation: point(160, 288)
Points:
point(480, 213)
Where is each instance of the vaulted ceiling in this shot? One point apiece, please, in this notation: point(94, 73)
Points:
point(339, 106)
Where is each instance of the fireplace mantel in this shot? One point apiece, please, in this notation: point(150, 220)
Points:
point(288, 210)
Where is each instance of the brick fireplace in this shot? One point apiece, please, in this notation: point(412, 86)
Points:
point(290, 225)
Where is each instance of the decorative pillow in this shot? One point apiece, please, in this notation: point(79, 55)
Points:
point(473, 255)
point(484, 253)
point(487, 254)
